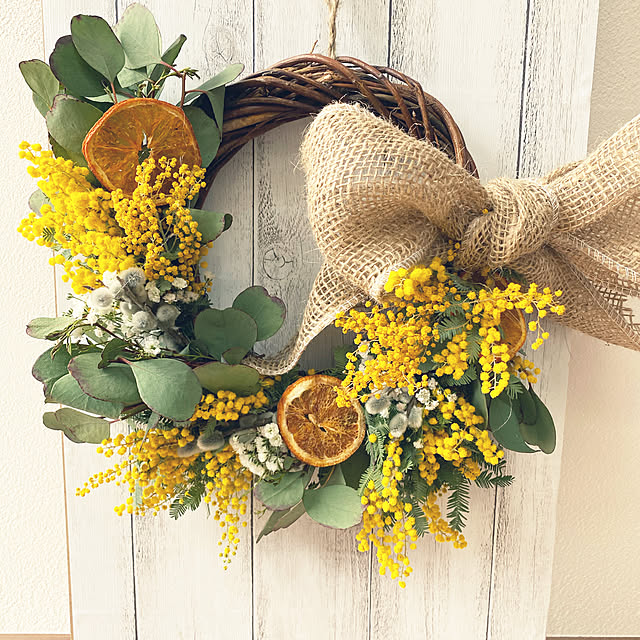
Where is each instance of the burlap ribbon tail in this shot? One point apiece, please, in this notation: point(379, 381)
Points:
point(379, 199)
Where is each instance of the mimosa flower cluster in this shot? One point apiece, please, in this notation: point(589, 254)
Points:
point(94, 231)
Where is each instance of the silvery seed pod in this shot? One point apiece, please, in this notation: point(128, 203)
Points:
point(188, 450)
point(265, 418)
point(211, 442)
point(415, 418)
point(248, 420)
point(374, 405)
point(398, 423)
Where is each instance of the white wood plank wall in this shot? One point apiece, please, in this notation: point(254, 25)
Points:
point(516, 75)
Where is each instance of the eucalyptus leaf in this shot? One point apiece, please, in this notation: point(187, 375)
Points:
point(37, 200)
point(283, 494)
point(114, 383)
point(168, 387)
point(210, 223)
point(206, 132)
point(77, 426)
point(336, 476)
point(76, 156)
point(528, 406)
point(337, 506)
point(169, 56)
point(281, 520)
point(67, 391)
point(505, 426)
point(268, 311)
point(79, 78)
point(479, 401)
point(234, 355)
point(51, 366)
point(40, 79)
point(69, 121)
point(111, 351)
point(216, 99)
point(354, 466)
point(98, 45)
point(224, 77)
point(221, 330)
point(542, 434)
point(139, 35)
point(217, 376)
point(49, 328)
point(129, 77)
point(40, 104)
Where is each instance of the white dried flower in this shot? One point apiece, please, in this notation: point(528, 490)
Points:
point(169, 297)
point(153, 292)
point(101, 300)
point(142, 321)
point(180, 283)
point(276, 441)
point(151, 345)
point(167, 313)
point(418, 444)
point(92, 317)
point(273, 464)
point(423, 396)
point(432, 383)
point(401, 406)
point(269, 430)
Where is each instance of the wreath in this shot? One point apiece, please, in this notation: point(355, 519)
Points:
point(433, 275)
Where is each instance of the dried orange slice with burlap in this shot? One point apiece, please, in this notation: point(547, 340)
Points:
point(316, 430)
point(132, 130)
point(514, 330)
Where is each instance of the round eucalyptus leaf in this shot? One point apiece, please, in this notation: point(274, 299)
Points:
point(239, 378)
point(221, 330)
point(98, 45)
point(283, 494)
point(69, 121)
point(139, 35)
point(48, 328)
point(80, 79)
point(168, 387)
point(268, 311)
point(113, 383)
point(505, 425)
point(67, 391)
point(336, 505)
point(77, 426)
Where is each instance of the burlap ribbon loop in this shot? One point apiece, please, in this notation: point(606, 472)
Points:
point(378, 199)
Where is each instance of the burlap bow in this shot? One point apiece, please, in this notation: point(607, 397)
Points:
point(379, 199)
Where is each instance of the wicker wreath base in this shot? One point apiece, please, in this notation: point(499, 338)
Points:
point(301, 86)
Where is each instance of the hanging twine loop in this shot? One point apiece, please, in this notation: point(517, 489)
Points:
point(332, 5)
point(379, 200)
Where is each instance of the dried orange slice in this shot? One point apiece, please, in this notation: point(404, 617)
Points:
point(316, 430)
point(514, 329)
point(132, 130)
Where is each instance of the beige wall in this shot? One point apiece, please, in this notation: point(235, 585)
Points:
point(33, 557)
point(596, 571)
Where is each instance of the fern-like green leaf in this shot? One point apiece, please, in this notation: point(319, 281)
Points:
point(458, 503)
